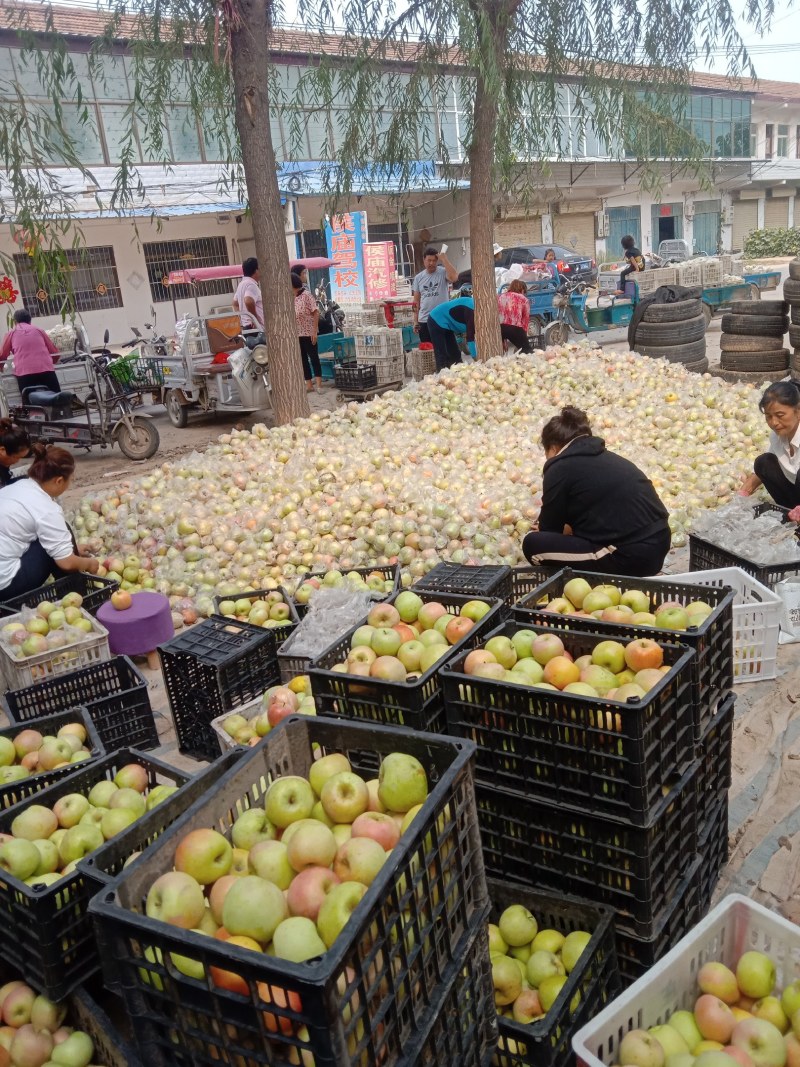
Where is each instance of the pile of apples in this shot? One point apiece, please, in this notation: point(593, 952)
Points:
point(277, 703)
point(45, 844)
point(612, 670)
point(52, 625)
point(530, 966)
point(29, 752)
point(33, 1031)
point(400, 641)
point(294, 869)
point(374, 583)
point(739, 1020)
point(630, 606)
point(268, 611)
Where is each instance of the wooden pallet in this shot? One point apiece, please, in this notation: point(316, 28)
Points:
point(362, 395)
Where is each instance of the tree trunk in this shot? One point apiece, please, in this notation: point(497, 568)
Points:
point(481, 223)
point(250, 61)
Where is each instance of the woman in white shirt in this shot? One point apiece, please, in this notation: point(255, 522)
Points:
point(777, 470)
point(35, 541)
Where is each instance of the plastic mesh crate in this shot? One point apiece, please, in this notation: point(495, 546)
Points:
point(525, 579)
point(714, 848)
point(703, 556)
point(423, 363)
point(690, 274)
point(629, 868)
point(468, 581)
point(645, 280)
point(280, 632)
point(636, 955)
point(356, 377)
point(95, 592)
point(215, 666)
point(711, 271)
point(388, 369)
point(756, 621)
point(594, 979)
point(711, 641)
point(390, 573)
point(383, 342)
point(114, 693)
point(19, 673)
point(374, 989)
point(583, 753)
point(47, 935)
point(417, 704)
point(15, 792)
point(110, 1047)
point(736, 925)
point(714, 754)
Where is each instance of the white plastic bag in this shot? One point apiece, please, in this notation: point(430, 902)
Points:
point(789, 592)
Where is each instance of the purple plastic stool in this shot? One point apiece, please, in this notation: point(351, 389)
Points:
point(139, 629)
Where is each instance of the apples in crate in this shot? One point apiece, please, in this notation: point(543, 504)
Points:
point(268, 610)
point(374, 583)
point(29, 752)
point(50, 625)
point(400, 641)
point(277, 703)
point(633, 607)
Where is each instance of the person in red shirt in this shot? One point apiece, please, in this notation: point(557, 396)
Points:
point(307, 315)
point(33, 353)
point(515, 315)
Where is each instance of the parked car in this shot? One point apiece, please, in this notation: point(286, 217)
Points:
point(570, 264)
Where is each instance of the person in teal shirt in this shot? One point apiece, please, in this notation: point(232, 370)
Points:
point(444, 322)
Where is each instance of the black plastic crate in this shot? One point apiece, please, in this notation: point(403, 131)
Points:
point(713, 847)
point(16, 792)
point(464, 1023)
point(585, 754)
point(632, 869)
point(114, 693)
point(47, 935)
point(714, 753)
point(375, 986)
point(111, 1048)
point(94, 590)
point(356, 377)
point(595, 977)
point(488, 581)
point(281, 632)
point(636, 955)
point(525, 579)
point(214, 667)
point(419, 704)
point(703, 556)
point(389, 572)
point(712, 640)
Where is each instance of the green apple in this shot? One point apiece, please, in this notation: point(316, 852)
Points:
point(19, 857)
point(408, 604)
point(252, 826)
point(576, 591)
point(475, 610)
point(296, 939)
point(636, 600)
point(517, 925)
point(79, 841)
point(70, 809)
point(115, 820)
point(48, 857)
point(431, 655)
point(253, 908)
point(336, 909)
point(159, 794)
point(176, 898)
point(506, 979)
point(755, 975)
point(289, 799)
point(344, 797)
point(497, 943)
point(34, 823)
point(686, 1025)
point(670, 1040)
point(503, 651)
point(74, 1051)
point(549, 988)
point(522, 641)
point(93, 816)
point(270, 860)
point(7, 752)
point(131, 799)
point(548, 941)
point(101, 793)
point(790, 998)
point(573, 946)
point(402, 782)
point(325, 767)
point(543, 965)
point(204, 854)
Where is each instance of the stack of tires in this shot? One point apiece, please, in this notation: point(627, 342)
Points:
point(791, 294)
point(752, 345)
point(675, 332)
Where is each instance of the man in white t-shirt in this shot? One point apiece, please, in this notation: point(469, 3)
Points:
point(247, 300)
point(431, 287)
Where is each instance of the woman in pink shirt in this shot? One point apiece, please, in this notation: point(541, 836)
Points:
point(33, 354)
point(515, 315)
point(307, 315)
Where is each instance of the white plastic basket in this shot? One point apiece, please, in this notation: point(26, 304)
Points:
point(712, 272)
point(251, 710)
point(690, 274)
point(735, 926)
point(29, 670)
point(756, 621)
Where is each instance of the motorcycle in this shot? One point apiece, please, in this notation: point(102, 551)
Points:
point(331, 316)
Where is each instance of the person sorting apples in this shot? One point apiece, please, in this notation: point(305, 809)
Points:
point(35, 540)
point(778, 469)
point(599, 511)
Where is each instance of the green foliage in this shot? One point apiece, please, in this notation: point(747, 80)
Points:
point(778, 242)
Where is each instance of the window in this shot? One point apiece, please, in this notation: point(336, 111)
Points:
point(161, 257)
point(94, 284)
point(183, 134)
point(754, 139)
point(782, 148)
point(769, 141)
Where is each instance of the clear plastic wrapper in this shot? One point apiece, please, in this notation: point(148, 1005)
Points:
point(331, 612)
point(765, 539)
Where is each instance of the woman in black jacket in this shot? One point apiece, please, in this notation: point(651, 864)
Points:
point(599, 511)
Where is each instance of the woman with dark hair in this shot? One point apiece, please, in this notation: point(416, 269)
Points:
point(14, 446)
point(515, 315)
point(307, 315)
point(599, 511)
point(35, 541)
point(777, 469)
point(33, 353)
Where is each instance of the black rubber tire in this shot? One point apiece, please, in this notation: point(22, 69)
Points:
point(771, 309)
point(747, 326)
point(677, 312)
point(791, 290)
point(689, 353)
point(707, 312)
point(142, 443)
point(794, 269)
point(177, 412)
point(794, 336)
point(666, 333)
point(795, 315)
point(733, 342)
point(700, 367)
point(766, 361)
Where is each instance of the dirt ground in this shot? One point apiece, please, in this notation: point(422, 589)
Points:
point(765, 793)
